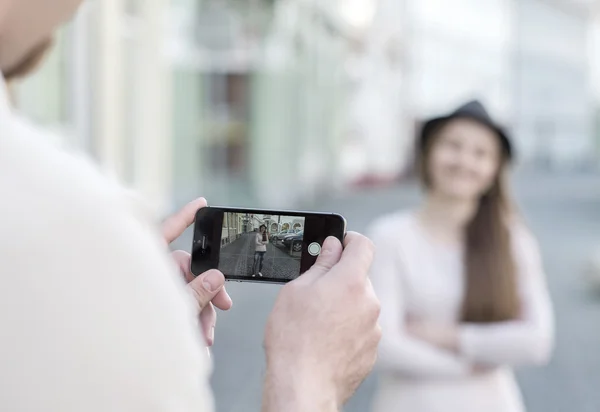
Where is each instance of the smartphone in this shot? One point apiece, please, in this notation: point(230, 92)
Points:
point(270, 246)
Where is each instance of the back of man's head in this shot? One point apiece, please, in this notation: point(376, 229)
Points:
point(25, 25)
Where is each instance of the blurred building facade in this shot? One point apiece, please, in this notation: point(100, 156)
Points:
point(276, 102)
point(232, 229)
point(553, 95)
point(527, 60)
point(106, 91)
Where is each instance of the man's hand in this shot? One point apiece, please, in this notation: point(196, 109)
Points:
point(209, 287)
point(322, 336)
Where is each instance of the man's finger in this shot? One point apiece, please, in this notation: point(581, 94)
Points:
point(208, 320)
point(176, 224)
point(183, 258)
point(357, 256)
point(206, 286)
point(331, 251)
point(222, 300)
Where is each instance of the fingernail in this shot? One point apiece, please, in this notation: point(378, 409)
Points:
point(212, 334)
point(328, 245)
point(228, 297)
point(213, 281)
point(198, 202)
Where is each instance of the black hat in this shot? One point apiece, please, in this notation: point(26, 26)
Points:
point(473, 110)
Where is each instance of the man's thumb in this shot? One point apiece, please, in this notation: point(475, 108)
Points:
point(331, 253)
point(206, 286)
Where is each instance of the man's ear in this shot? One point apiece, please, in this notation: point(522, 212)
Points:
point(30, 62)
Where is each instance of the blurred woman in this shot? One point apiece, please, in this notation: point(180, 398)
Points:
point(460, 279)
point(260, 248)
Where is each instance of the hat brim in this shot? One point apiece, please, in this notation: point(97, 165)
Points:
point(432, 125)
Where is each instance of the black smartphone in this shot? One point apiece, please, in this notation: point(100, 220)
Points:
point(271, 246)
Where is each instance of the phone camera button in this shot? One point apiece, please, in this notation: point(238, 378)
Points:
point(314, 249)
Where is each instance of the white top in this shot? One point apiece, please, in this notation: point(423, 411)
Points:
point(261, 245)
point(95, 316)
point(412, 275)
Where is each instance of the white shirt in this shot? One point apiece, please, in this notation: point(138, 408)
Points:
point(260, 244)
point(413, 276)
point(95, 316)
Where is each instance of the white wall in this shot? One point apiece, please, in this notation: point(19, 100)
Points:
point(377, 129)
point(552, 88)
point(460, 50)
point(296, 98)
point(593, 50)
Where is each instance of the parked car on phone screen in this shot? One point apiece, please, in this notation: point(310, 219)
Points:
point(293, 242)
point(278, 237)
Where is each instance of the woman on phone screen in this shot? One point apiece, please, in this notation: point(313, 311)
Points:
point(460, 279)
point(260, 248)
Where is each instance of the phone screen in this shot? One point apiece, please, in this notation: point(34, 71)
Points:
point(261, 246)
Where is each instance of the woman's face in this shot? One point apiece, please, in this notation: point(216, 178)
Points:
point(263, 229)
point(464, 160)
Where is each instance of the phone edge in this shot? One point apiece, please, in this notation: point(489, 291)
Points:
point(271, 282)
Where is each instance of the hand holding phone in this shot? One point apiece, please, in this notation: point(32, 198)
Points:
point(253, 245)
point(208, 289)
point(321, 337)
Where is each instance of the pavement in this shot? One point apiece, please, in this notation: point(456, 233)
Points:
point(237, 258)
point(562, 210)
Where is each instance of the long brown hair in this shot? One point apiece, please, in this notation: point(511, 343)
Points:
point(490, 271)
point(264, 234)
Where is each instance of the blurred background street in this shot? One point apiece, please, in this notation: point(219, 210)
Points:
point(312, 104)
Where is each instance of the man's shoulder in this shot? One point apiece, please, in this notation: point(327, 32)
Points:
point(36, 169)
point(50, 193)
point(84, 271)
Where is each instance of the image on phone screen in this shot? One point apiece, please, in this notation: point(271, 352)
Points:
point(261, 245)
point(252, 245)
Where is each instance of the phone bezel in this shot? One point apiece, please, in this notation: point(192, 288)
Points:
point(282, 212)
